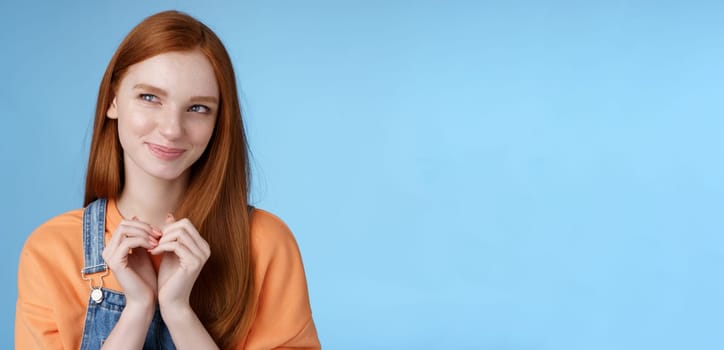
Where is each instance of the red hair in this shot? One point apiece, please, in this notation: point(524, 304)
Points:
point(217, 195)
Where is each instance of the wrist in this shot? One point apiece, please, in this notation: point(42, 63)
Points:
point(141, 299)
point(174, 313)
point(141, 303)
point(139, 312)
point(131, 329)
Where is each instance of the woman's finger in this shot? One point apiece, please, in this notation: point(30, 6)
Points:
point(188, 229)
point(187, 258)
point(127, 244)
point(178, 236)
point(134, 222)
point(125, 232)
point(181, 234)
point(129, 231)
point(131, 228)
point(195, 235)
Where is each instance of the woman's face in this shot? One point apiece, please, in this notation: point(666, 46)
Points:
point(166, 108)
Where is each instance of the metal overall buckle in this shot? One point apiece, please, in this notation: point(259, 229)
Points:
point(96, 292)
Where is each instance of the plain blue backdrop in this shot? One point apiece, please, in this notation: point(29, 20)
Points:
point(459, 174)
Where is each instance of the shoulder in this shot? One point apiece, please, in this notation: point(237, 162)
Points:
point(284, 315)
point(51, 257)
point(268, 231)
point(271, 238)
point(57, 235)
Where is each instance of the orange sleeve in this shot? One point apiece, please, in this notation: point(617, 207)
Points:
point(35, 325)
point(284, 315)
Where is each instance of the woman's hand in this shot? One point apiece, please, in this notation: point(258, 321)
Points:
point(132, 267)
point(134, 272)
point(185, 253)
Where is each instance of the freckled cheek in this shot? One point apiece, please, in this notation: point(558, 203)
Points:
point(137, 123)
point(200, 133)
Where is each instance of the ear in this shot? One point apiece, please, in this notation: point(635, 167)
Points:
point(112, 111)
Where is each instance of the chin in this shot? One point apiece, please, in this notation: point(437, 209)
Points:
point(166, 174)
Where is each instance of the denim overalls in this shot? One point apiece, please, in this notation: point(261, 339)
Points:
point(105, 306)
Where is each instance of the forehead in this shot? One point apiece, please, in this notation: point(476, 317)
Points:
point(180, 74)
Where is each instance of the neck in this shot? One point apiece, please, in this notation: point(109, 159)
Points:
point(151, 199)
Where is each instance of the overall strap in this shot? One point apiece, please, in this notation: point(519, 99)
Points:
point(94, 229)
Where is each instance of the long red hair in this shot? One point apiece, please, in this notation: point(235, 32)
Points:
point(217, 195)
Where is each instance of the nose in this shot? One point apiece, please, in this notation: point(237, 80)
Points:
point(169, 125)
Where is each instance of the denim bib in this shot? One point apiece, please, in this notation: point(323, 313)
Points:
point(105, 306)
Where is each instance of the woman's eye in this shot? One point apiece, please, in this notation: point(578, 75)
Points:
point(148, 97)
point(199, 109)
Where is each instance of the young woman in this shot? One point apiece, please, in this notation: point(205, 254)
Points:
point(167, 252)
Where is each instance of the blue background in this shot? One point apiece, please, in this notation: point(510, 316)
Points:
point(498, 175)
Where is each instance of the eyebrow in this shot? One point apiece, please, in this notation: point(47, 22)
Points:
point(161, 92)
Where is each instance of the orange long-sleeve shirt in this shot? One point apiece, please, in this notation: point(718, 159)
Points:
point(52, 297)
